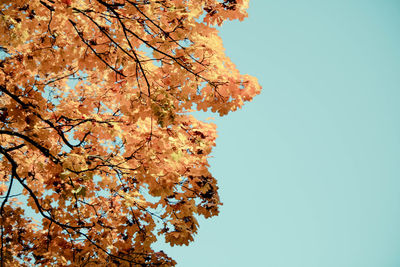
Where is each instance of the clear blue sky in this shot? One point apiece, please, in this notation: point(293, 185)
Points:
point(309, 172)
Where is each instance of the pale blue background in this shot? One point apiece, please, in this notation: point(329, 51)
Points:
point(309, 172)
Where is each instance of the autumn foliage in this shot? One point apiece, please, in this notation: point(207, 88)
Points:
point(96, 136)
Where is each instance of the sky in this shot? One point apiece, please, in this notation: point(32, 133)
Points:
point(309, 172)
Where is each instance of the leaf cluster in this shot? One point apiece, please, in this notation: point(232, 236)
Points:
point(95, 127)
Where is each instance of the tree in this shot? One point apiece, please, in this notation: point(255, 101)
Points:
point(96, 133)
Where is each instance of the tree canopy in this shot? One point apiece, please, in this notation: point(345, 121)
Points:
point(96, 131)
